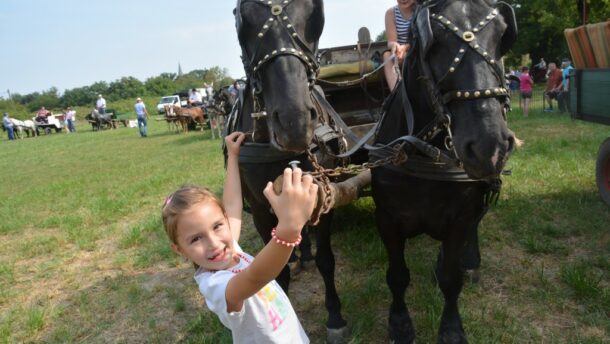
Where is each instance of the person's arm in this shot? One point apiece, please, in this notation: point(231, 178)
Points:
point(231, 196)
point(390, 30)
point(293, 207)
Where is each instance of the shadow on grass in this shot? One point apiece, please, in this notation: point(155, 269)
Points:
point(162, 307)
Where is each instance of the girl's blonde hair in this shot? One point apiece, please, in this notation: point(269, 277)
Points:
point(180, 202)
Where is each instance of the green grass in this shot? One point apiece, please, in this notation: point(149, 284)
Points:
point(83, 257)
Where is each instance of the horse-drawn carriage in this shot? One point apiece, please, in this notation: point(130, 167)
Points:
point(49, 123)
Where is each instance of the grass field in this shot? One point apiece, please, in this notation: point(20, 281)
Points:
point(83, 257)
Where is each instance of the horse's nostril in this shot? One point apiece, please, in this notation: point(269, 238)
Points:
point(313, 114)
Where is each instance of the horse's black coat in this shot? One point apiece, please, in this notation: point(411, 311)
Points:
point(448, 211)
point(284, 92)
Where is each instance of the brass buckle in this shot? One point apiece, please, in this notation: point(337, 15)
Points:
point(468, 36)
point(276, 10)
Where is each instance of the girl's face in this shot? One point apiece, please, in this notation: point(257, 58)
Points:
point(204, 237)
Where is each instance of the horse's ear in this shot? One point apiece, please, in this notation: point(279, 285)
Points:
point(510, 35)
point(238, 20)
point(318, 13)
point(423, 30)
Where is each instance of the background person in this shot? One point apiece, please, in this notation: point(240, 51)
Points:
point(195, 98)
point(239, 288)
point(397, 28)
point(100, 104)
point(553, 86)
point(142, 116)
point(562, 97)
point(526, 86)
point(69, 119)
point(42, 114)
point(8, 125)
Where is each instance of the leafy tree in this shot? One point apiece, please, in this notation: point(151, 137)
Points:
point(541, 24)
point(49, 99)
point(126, 88)
point(159, 86)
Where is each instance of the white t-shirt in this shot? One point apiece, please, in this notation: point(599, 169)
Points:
point(101, 103)
point(195, 97)
point(266, 317)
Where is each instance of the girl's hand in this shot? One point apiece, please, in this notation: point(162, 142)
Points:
point(233, 141)
point(294, 205)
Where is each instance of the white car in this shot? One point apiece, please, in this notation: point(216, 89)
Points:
point(168, 100)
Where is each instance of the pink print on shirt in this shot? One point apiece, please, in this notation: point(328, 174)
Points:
point(277, 309)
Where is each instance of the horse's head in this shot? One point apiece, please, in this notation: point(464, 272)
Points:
point(459, 48)
point(279, 39)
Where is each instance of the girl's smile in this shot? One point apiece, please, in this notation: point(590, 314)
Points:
point(204, 237)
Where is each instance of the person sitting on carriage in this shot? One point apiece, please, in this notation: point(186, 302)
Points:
point(397, 28)
point(42, 114)
point(195, 98)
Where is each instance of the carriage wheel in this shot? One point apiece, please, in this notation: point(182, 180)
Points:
point(47, 130)
point(602, 171)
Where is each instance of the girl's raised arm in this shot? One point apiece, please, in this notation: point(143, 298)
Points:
point(231, 197)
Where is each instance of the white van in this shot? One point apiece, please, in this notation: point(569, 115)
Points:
point(168, 100)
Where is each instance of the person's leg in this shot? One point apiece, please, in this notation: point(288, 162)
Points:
point(11, 133)
point(145, 126)
point(140, 126)
point(526, 106)
point(389, 71)
point(102, 110)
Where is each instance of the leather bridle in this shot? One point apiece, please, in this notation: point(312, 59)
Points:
point(440, 98)
point(263, 54)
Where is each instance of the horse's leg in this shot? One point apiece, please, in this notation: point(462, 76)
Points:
point(325, 260)
point(450, 281)
point(397, 277)
point(307, 257)
point(471, 256)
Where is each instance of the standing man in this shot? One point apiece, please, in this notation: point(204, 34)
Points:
point(142, 115)
point(70, 114)
point(100, 104)
point(8, 125)
point(553, 85)
point(562, 97)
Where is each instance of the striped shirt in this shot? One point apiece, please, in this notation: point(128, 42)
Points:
point(403, 26)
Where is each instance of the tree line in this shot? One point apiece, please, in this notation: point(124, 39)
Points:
point(123, 88)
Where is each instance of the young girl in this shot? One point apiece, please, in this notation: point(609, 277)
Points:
point(526, 85)
point(241, 289)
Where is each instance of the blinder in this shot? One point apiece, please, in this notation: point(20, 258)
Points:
point(510, 35)
point(423, 30)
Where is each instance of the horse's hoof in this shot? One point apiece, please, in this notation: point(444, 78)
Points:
point(472, 275)
point(337, 335)
point(308, 264)
point(452, 338)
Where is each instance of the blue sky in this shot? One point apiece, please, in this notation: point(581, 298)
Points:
point(73, 43)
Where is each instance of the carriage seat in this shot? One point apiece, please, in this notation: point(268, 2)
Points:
point(344, 71)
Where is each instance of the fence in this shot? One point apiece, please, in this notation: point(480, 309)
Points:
point(537, 103)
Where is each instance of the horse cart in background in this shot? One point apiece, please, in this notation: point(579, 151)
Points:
point(52, 122)
point(589, 88)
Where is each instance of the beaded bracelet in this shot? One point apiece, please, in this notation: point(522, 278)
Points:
point(283, 242)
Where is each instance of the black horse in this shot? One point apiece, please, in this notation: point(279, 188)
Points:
point(100, 121)
point(279, 41)
point(456, 108)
